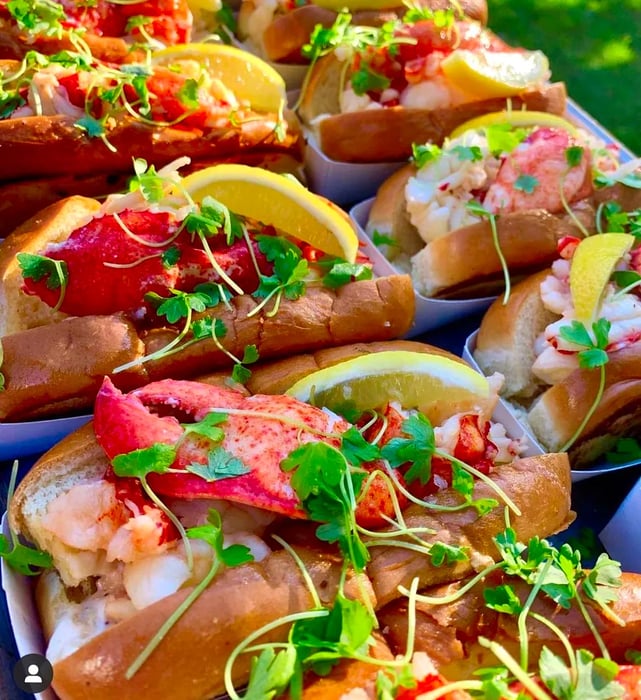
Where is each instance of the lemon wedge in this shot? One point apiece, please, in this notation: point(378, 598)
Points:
point(246, 75)
point(433, 384)
point(516, 118)
point(592, 265)
point(488, 74)
point(280, 201)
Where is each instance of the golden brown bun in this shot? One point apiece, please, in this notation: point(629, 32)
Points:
point(464, 263)
point(18, 200)
point(379, 309)
point(189, 663)
point(14, 44)
point(450, 632)
point(58, 369)
point(524, 480)
point(32, 147)
point(285, 36)
point(558, 412)
point(505, 342)
point(387, 134)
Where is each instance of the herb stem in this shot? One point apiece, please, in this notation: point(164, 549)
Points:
point(501, 256)
point(591, 626)
point(484, 478)
point(174, 520)
point(522, 619)
point(303, 569)
point(172, 620)
point(569, 209)
point(590, 413)
point(452, 597)
point(450, 688)
point(217, 268)
point(562, 638)
point(242, 646)
point(504, 657)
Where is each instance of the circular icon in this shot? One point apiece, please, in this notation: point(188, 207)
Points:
point(33, 673)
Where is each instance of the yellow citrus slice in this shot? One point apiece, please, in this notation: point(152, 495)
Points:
point(592, 265)
point(491, 74)
point(517, 118)
point(280, 201)
point(246, 75)
point(436, 385)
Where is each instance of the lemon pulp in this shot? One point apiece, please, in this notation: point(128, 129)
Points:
point(495, 74)
point(246, 75)
point(592, 265)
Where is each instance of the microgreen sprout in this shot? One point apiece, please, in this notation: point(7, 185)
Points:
point(593, 356)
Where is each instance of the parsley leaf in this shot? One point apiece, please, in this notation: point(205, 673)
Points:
point(574, 156)
point(25, 560)
point(188, 94)
point(595, 354)
point(170, 257)
point(625, 450)
point(221, 464)
point(365, 79)
point(38, 16)
point(379, 239)
point(212, 533)
point(356, 448)
point(604, 577)
point(94, 127)
point(418, 448)
point(443, 553)
point(343, 272)
point(157, 459)
point(147, 180)
point(271, 673)
point(526, 183)
point(594, 677)
point(502, 598)
point(36, 267)
point(424, 154)
point(208, 426)
point(468, 153)
point(503, 139)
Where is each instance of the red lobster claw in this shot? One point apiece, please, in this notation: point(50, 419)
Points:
point(259, 430)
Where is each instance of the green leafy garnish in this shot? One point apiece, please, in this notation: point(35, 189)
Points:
point(365, 80)
point(526, 183)
point(379, 239)
point(503, 599)
point(37, 267)
point(422, 154)
point(468, 153)
point(632, 180)
point(574, 155)
point(170, 257)
point(417, 448)
point(147, 181)
point(341, 273)
point(327, 488)
point(593, 678)
point(156, 459)
point(221, 464)
point(626, 449)
point(38, 16)
point(271, 673)
point(594, 356)
point(503, 139)
point(442, 553)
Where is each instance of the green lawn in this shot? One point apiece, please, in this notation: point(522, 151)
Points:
point(593, 45)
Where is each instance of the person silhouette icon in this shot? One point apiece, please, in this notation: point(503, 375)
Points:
point(33, 677)
point(33, 673)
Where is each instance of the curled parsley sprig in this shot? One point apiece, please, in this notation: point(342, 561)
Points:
point(37, 267)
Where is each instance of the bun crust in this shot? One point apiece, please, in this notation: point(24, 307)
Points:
point(387, 134)
point(34, 147)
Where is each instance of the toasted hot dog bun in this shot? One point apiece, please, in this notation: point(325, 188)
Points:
point(505, 343)
point(387, 134)
point(19, 199)
point(39, 146)
point(287, 33)
point(465, 262)
point(234, 604)
point(363, 311)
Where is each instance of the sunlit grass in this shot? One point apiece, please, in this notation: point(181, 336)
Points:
point(593, 45)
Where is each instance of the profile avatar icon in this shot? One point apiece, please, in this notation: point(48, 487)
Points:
point(32, 677)
point(33, 673)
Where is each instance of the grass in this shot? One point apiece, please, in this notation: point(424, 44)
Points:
point(593, 45)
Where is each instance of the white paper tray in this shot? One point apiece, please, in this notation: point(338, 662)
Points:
point(430, 313)
point(22, 612)
point(512, 423)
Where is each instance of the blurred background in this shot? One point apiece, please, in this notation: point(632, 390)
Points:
point(593, 45)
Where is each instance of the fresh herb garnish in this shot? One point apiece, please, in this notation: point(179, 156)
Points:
point(341, 273)
point(526, 183)
point(37, 267)
point(379, 239)
point(502, 139)
point(365, 80)
point(38, 17)
point(468, 153)
point(422, 154)
point(592, 357)
point(626, 449)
